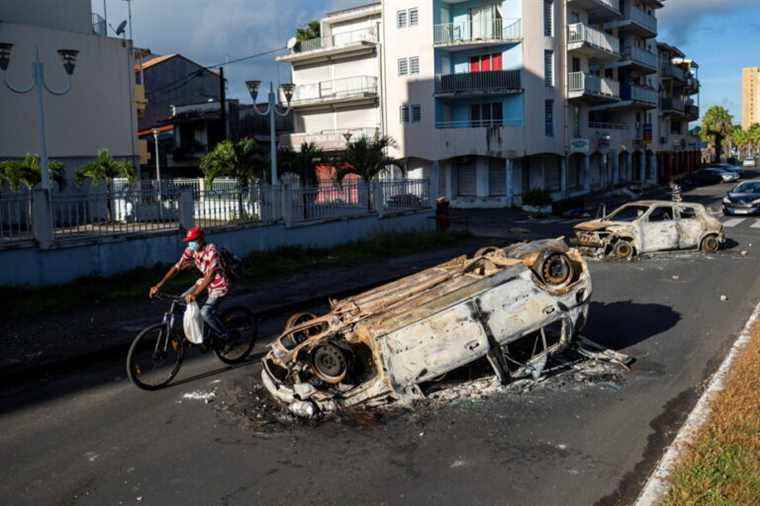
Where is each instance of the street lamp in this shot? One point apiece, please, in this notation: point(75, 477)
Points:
point(68, 60)
point(272, 108)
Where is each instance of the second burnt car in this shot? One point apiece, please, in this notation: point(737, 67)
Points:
point(512, 306)
point(648, 226)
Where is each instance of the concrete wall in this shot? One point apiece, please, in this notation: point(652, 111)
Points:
point(112, 255)
point(64, 15)
point(95, 114)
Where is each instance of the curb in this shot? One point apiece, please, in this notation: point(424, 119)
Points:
point(658, 484)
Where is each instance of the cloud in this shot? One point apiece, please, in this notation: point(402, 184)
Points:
point(212, 32)
point(683, 19)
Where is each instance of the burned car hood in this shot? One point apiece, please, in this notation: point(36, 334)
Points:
point(595, 225)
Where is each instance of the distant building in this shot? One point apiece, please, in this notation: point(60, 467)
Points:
point(750, 96)
point(98, 112)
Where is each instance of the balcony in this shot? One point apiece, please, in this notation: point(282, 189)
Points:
point(348, 90)
point(599, 11)
point(494, 82)
point(636, 21)
point(593, 87)
point(645, 62)
point(639, 96)
point(691, 110)
point(598, 125)
point(692, 85)
point(592, 43)
point(461, 36)
point(670, 71)
point(483, 123)
point(327, 140)
point(672, 106)
point(353, 42)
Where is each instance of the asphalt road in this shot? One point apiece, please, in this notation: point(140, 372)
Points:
point(89, 438)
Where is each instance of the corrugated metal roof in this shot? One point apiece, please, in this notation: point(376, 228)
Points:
point(156, 61)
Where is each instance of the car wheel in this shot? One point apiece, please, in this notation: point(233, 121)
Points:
point(710, 244)
point(623, 250)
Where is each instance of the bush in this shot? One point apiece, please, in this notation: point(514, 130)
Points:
point(537, 198)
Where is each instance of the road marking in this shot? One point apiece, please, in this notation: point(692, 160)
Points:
point(733, 222)
point(756, 224)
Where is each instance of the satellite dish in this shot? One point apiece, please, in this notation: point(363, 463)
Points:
point(292, 42)
point(121, 27)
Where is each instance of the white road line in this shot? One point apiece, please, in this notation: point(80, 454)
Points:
point(756, 224)
point(733, 222)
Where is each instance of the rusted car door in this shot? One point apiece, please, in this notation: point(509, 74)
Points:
point(659, 230)
point(689, 227)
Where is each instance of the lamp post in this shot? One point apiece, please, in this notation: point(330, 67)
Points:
point(68, 60)
point(274, 108)
point(158, 172)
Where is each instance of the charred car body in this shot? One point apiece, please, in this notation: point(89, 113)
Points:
point(514, 306)
point(649, 226)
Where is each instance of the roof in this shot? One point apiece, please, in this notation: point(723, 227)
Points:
point(671, 49)
point(155, 61)
point(161, 129)
point(352, 9)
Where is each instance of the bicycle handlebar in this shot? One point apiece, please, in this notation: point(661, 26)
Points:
point(171, 297)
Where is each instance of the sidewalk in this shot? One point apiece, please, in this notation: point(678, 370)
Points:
point(103, 329)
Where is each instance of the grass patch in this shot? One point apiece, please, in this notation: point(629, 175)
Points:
point(723, 465)
point(29, 302)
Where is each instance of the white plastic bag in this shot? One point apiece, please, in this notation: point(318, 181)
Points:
point(193, 323)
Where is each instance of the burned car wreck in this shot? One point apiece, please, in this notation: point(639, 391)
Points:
point(511, 306)
point(649, 226)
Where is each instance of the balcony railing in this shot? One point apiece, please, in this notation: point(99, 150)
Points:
point(673, 104)
point(328, 140)
point(640, 94)
point(674, 71)
point(483, 123)
point(494, 80)
point(497, 30)
point(643, 19)
point(580, 33)
point(640, 55)
point(598, 125)
point(360, 86)
point(590, 84)
point(692, 110)
point(337, 40)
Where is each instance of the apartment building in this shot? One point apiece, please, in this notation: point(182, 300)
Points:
point(492, 98)
point(98, 112)
point(337, 78)
point(750, 96)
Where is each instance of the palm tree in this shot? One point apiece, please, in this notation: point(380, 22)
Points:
point(368, 159)
point(717, 127)
point(741, 139)
point(103, 170)
point(302, 163)
point(27, 172)
point(311, 31)
point(753, 138)
point(240, 160)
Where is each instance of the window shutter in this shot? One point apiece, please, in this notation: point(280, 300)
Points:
point(403, 66)
point(416, 113)
point(414, 65)
point(549, 68)
point(401, 19)
point(549, 118)
point(474, 64)
point(466, 182)
point(497, 177)
point(413, 16)
point(548, 18)
point(496, 62)
point(404, 114)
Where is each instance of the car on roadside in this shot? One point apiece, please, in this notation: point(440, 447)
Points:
point(743, 199)
point(749, 162)
point(514, 306)
point(736, 169)
point(714, 175)
point(649, 226)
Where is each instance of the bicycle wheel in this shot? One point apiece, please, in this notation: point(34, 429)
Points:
point(153, 359)
point(243, 330)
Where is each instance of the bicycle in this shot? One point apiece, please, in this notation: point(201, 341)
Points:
point(156, 354)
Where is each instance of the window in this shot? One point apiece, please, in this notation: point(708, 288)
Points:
point(414, 65)
point(416, 113)
point(549, 18)
point(413, 16)
point(661, 214)
point(404, 114)
point(549, 68)
point(401, 19)
point(549, 118)
point(403, 66)
point(486, 114)
point(688, 213)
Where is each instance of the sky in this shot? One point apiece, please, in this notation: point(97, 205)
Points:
point(721, 35)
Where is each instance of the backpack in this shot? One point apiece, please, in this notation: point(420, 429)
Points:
point(231, 264)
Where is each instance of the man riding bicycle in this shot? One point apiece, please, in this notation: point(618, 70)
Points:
point(208, 261)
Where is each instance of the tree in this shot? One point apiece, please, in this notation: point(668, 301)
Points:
point(740, 138)
point(311, 31)
point(717, 127)
point(302, 163)
point(103, 170)
point(240, 160)
point(368, 159)
point(753, 138)
point(28, 172)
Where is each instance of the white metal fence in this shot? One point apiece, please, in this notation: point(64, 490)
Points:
point(15, 216)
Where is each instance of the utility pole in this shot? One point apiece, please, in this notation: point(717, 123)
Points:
point(223, 100)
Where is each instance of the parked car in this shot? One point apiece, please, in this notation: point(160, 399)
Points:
point(736, 169)
point(714, 175)
point(743, 199)
point(514, 305)
point(749, 162)
point(648, 226)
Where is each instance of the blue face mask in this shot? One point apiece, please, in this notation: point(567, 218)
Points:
point(193, 245)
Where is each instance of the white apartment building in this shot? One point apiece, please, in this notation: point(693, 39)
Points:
point(491, 98)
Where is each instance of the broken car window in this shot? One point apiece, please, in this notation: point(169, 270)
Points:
point(661, 214)
point(688, 213)
point(628, 213)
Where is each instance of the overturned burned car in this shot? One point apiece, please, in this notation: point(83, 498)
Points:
point(648, 226)
point(513, 306)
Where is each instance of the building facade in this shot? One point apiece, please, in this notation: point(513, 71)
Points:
point(100, 109)
point(490, 99)
point(750, 96)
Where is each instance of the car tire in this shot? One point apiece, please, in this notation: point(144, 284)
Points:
point(623, 250)
point(710, 244)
